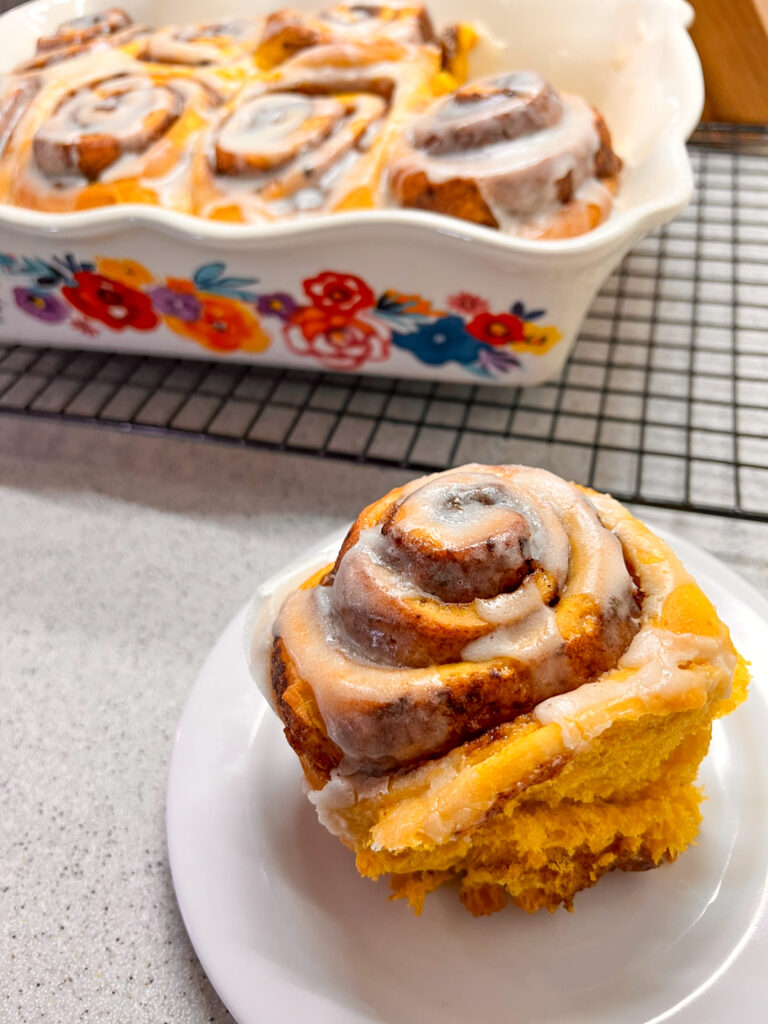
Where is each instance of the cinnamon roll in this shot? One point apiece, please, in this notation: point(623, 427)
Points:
point(102, 30)
point(505, 680)
point(287, 31)
point(509, 152)
point(312, 136)
point(382, 67)
point(206, 44)
point(120, 136)
point(276, 154)
point(84, 29)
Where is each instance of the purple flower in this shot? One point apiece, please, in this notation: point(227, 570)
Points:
point(183, 305)
point(40, 304)
point(278, 304)
point(494, 359)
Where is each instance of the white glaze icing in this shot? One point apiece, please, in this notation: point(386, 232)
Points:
point(666, 665)
point(349, 683)
point(536, 141)
point(306, 145)
point(517, 177)
point(361, 23)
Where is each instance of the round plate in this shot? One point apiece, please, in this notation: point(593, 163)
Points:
point(283, 924)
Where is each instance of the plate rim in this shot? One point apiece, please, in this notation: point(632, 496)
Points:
point(688, 1010)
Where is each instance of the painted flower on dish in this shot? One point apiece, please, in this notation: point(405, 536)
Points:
point(467, 304)
point(84, 326)
point(496, 360)
point(183, 305)
point(339, 293)
point(125, 271)
point(279, 304)
point(439, 342)
point(343, 323)
point(337, 342)
point(111, 302)
point(410, 305)
point(41, 304)
point(496, 328)
point(223, 325)
point(538, 340)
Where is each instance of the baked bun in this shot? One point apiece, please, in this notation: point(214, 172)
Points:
point(504, 680)
point(511, 153)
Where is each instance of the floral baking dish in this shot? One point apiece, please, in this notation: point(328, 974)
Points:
point(404, 293)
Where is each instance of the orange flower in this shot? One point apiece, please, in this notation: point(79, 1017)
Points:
point(338, 342)
point(125, 271)
point(224, 325)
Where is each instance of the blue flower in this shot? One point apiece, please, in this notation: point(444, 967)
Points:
point(440, 342)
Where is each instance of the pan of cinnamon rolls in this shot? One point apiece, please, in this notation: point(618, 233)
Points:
point(292, 114)
point(503, 682)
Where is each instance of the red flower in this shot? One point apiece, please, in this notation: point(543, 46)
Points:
point(338, 342)
point(339, 293)
point(496, 328)
point(467, 304)
point(84, 326)
point(117, 305)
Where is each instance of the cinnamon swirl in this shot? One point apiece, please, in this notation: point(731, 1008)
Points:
point(207, 44)
point(506, 680)
point(312, 136)
point(286, 32)
point(274, 154)
point(119, 135)
point(101, 30)
point(86, 28)
point(509, 152)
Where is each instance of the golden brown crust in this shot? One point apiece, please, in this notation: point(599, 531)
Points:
point(304, 726)
point(607, 163)
point(457, 197)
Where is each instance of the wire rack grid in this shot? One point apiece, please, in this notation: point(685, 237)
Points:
point(664, 400)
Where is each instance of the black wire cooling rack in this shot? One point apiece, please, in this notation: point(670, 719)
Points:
point(664, 400)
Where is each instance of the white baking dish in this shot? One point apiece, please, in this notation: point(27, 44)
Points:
point(412, 279)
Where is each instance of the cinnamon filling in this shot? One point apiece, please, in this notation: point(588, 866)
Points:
point(82, 30)
point(294, 139)
point(94, 126)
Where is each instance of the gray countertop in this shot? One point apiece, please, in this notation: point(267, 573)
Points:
point(122, 559)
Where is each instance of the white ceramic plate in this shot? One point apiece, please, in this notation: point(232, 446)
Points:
point(287, 930)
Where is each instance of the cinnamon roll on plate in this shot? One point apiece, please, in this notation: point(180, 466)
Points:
point(510, 153)
point(504, 681)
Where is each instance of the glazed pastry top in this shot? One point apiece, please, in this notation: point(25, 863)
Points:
point(358, 98)
point(499, 581)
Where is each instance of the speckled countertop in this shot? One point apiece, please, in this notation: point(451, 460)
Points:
point(122, 559)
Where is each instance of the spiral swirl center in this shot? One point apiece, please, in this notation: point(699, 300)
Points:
point(460, 542)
